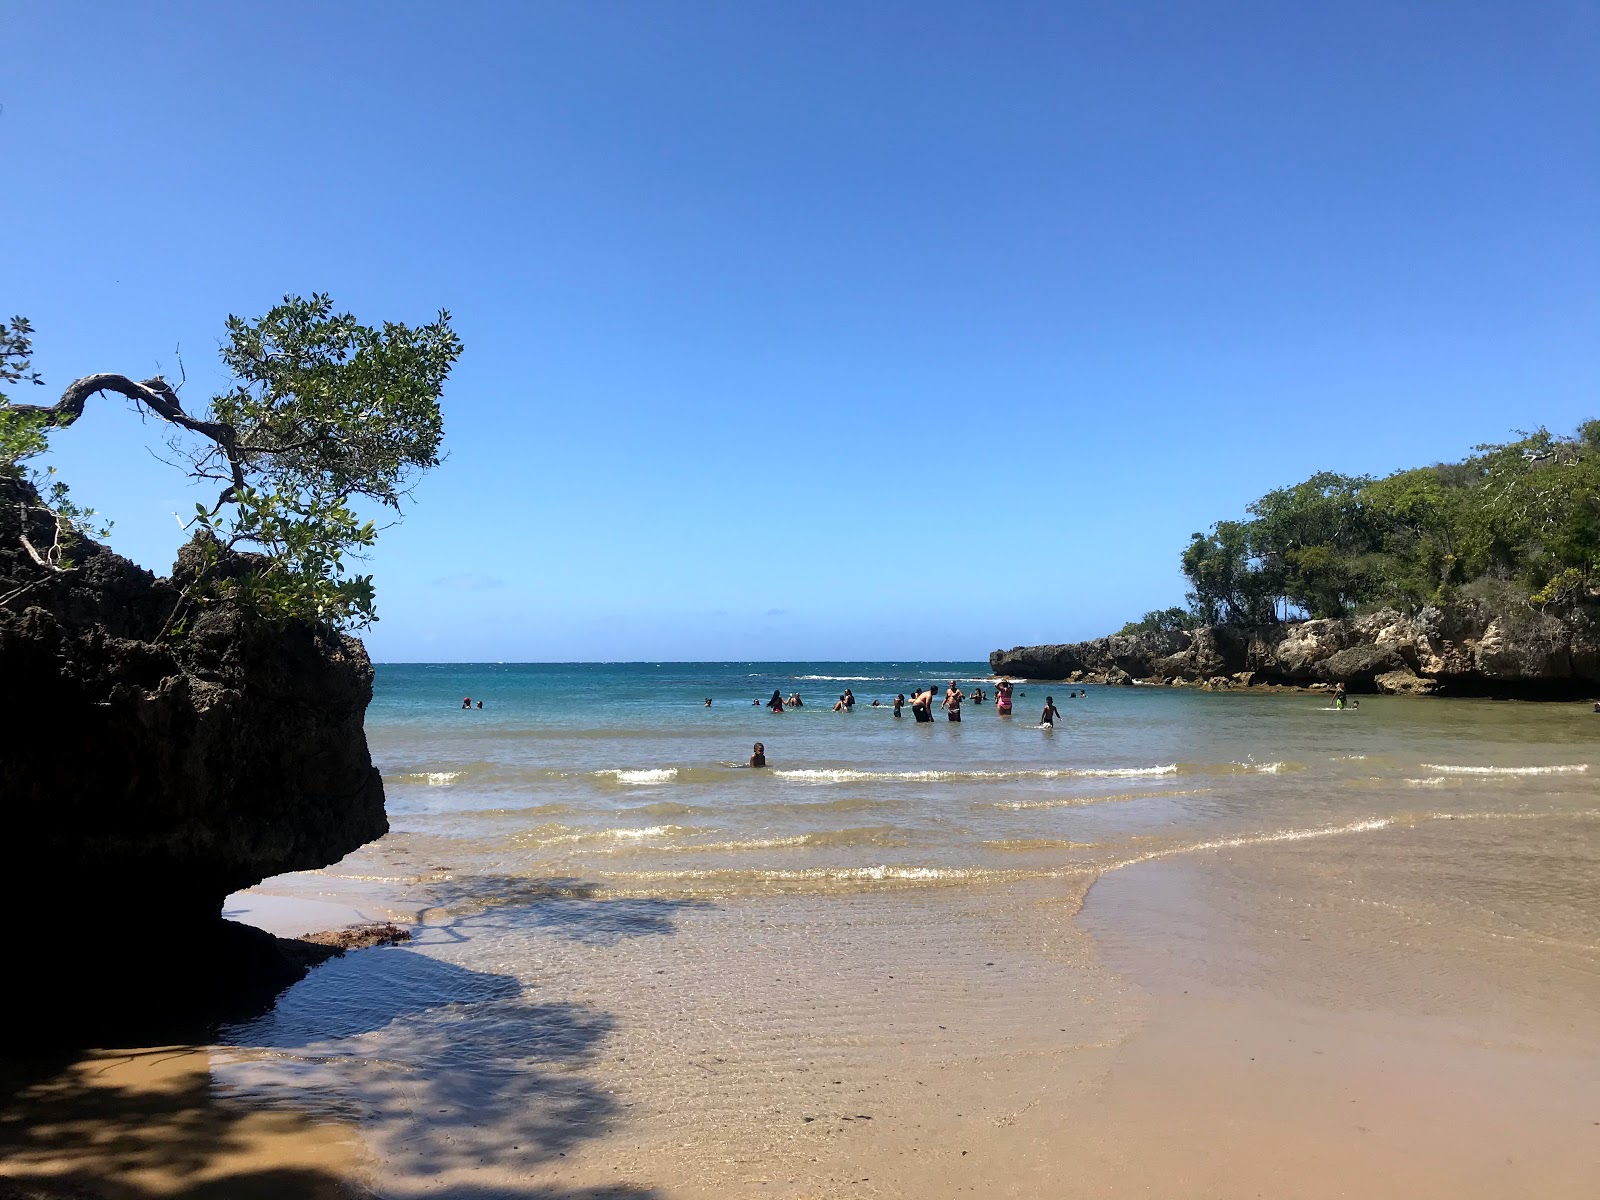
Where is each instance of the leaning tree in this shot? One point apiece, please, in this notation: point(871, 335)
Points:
point(325, 414)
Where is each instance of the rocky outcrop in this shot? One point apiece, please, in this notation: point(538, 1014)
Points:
point(1466, 648)
point(144, 777)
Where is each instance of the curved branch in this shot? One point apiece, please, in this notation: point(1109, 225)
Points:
point(155, 394)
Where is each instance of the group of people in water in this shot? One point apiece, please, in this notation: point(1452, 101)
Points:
point(922, 701)
point(921, 705)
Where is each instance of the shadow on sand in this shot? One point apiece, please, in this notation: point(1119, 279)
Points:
point(445, 1069)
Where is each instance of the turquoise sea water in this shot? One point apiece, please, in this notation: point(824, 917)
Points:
point(619, 773)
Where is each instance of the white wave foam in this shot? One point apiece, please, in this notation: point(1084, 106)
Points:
point(846, 775)
point(610, 835)
point(845, 678)
point(1448, 769)
point(1260, 839)
point(648, 775)
point(1084, 801)
point(1431, 781)
point(431, 778)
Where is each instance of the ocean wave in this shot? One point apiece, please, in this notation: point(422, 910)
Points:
point(846, 678)
point(1259, 839)
point(561, 835)
point(643, 775)
point(881, 873)
point(851, 775)
point(1027, 844)
point(871, 835)
point(1430, 782)
point(1449, 769)
point(431, 778)
point(1081, 801)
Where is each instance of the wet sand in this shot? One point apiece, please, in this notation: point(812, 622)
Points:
point(1163, 1041)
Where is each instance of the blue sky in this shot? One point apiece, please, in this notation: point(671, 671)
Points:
point(826, 330)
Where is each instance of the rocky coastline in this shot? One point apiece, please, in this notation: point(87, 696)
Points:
point(1466, 648)
point(145, 775)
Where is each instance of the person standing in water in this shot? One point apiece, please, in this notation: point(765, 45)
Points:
point(1002, 698)
point(952, 702)
point(776, 703)
point(1050, 713)
point(759, 758)
point(849, 700)
point(922, 704)
point(900, 699)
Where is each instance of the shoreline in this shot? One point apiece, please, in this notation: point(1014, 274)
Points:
point(1320, 977)
point(1202, 1086)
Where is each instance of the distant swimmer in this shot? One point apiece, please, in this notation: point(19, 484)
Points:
point(876, 704)
point(759, 758)
point(900, 700)
point(952, 702)
point(466, 702)
point(1050, 713)
point(1002, 698)
point(776, 703)
point(480, 703)
point(708, 701)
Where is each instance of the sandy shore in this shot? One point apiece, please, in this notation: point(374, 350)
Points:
point(1230, 1027)
point(125, 1125)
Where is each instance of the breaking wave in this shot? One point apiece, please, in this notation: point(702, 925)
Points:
point(1448, 769)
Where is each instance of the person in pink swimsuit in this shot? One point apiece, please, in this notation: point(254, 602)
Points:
point(1002, 698)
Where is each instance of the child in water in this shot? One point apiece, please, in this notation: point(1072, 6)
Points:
point(759, 758)
point(1050, 713)
point(900, 700)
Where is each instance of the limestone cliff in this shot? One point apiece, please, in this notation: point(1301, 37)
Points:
point(1467, 648)
point(144, 777)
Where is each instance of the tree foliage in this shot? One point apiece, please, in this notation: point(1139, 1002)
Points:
point(1162, 620)
point(1526, 513)
point(325, 414)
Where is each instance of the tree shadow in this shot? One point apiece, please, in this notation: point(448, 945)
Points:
point(444, 1069)
point(571, 908)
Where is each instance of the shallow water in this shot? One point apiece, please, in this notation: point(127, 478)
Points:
point(638, 959)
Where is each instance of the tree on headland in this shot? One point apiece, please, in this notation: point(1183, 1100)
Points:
point(1521, 517)
point(325, 414)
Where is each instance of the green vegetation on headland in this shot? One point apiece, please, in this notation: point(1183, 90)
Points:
point(1522, 519)
point(325, 413)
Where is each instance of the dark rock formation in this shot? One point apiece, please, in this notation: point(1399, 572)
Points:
point(143, 778)
point(1467, 648)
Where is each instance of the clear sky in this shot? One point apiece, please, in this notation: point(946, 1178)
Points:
point(855, 330)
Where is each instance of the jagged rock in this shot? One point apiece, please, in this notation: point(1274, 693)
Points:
point(1403, 683)
point(147, 777)
point(1468, 647)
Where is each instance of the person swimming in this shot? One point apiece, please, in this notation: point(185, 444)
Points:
point(708, 701)
point(840, 706)
point(1050, 713)
point(759, 758)
point(480, 703)
point(466, 702)
point(1002, 698)
point(849, 699)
